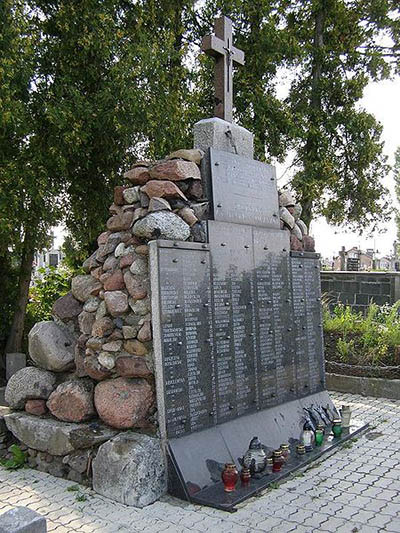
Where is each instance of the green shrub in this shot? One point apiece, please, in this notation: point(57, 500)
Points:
point(359, 339)
point(51, 285)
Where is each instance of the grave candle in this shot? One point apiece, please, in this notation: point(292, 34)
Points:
point(229, 476)
point(337, 427)
point(277, 461)
point(307, 437)
point(245, 476)
point(319, 437)
point(285, 452)
point(346, 416)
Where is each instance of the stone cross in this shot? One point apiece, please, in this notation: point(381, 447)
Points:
point(220, 46)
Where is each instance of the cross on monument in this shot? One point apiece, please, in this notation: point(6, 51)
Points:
point(221, 48)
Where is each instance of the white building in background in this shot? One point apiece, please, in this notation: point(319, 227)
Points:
point(47, 258)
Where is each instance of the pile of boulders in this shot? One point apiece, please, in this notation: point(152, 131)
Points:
point(96, 357)
point(94, 368)
point(290, 213)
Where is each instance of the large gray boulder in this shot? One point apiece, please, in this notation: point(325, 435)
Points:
point(29, 383)
point(53, 436)
point(22, 520)
point(130, 469)
point(163, 225)
point(51, 346)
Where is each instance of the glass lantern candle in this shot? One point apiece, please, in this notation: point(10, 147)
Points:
point(300, 449)
point(229, 477)
point(277, 461)
point(285, 452)
point(319, 437)
point(337, 427)
point(245, 476)
point(346, 416)
point(307, 437)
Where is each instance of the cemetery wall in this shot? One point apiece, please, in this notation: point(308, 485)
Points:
point(359, 289)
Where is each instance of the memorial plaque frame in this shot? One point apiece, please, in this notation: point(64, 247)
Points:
point(242, 190)
point(221, 290)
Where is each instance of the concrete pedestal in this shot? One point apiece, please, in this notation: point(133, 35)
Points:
point(221, 135)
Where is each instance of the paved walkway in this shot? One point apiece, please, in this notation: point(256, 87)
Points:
point(355, 490)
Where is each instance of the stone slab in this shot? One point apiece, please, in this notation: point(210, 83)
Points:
point(54, 436)
point(22, 520)
point(222, 135)
point(14, 362)
point(375, 387)
point(243, 191)
point(213, 494)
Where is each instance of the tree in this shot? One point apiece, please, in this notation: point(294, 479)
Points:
point(330, 49)
point(340, 164)
point(95, 80)
point(27, 194)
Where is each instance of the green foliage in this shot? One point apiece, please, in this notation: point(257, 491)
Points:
point(73, 488)
point(51, 284)
point(345, 349)
point(79, 496)
point(370, 339)
point(18, 459)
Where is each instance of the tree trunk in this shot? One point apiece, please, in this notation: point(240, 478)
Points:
point(14, 341)
point(311, 146)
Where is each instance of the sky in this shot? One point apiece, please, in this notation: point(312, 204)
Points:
point(382, 99)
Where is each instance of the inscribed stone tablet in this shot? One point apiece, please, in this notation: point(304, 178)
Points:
point(185, 318)
point(233, 319)
point(243, 190)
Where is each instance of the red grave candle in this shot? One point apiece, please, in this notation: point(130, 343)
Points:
point(229, 476)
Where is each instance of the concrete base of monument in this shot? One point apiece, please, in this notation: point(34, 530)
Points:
point(195, 462)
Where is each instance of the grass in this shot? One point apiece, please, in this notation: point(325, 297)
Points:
point(17, 460)
point(373, 339)
point(79, 496)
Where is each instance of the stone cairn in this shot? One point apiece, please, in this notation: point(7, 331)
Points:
point(94, 367)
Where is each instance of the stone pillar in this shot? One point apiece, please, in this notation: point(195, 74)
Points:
point(222, 135)
point(342, 259)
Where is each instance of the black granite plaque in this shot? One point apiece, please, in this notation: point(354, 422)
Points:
point(268, 246)
point(243, 190)
point(300, 326)
point(185, 311)
point(314, 326)
point(233, 319)
point(308, 322)
point(240, 323)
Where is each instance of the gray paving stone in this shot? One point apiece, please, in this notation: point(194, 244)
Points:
point(340, 495)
